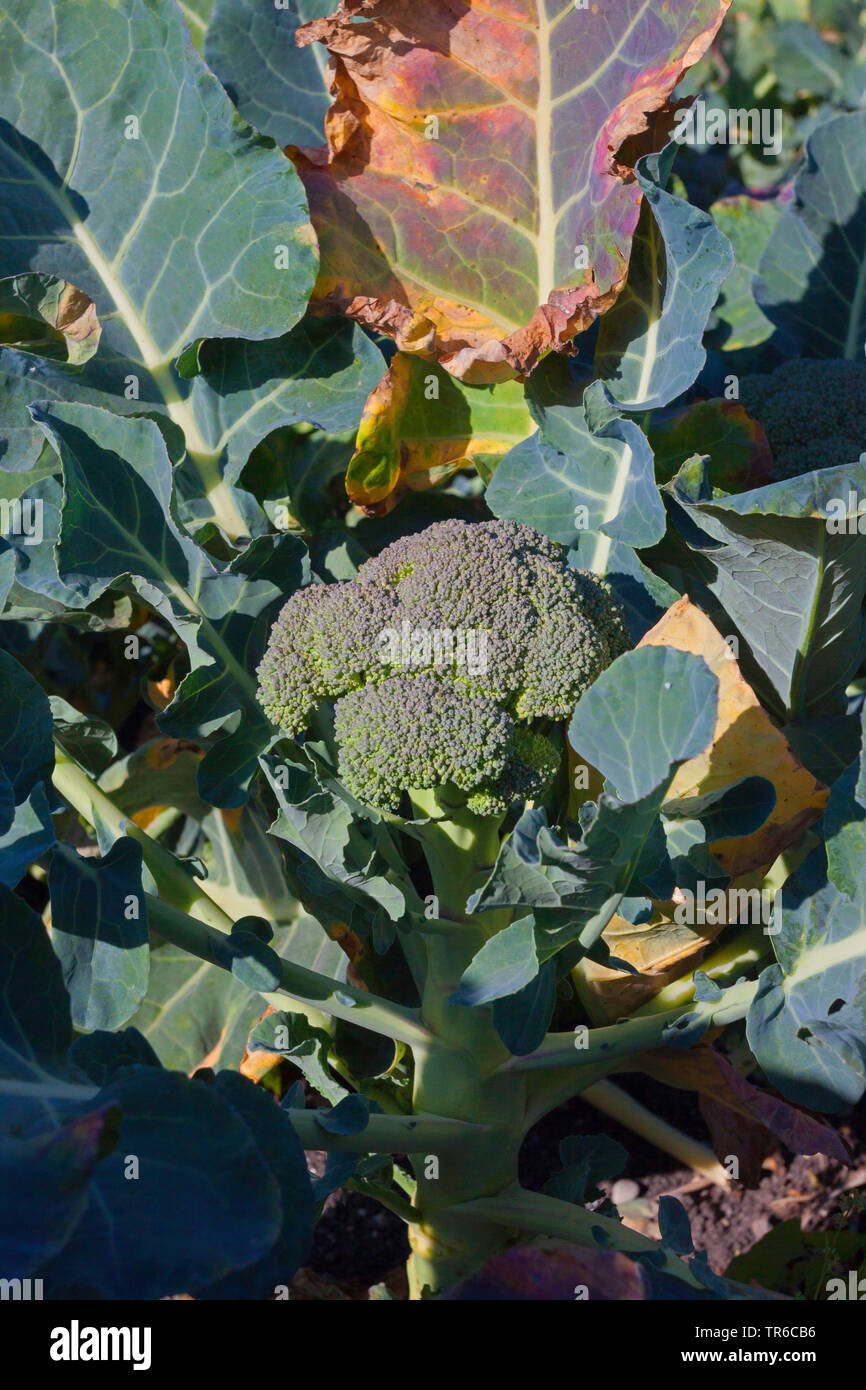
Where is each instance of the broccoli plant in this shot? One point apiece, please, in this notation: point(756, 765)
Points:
point(432, 578)
point(425, 795)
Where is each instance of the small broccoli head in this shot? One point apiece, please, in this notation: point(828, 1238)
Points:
point(813, 412)
point(439, 657)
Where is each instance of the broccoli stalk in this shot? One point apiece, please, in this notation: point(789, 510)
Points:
point(455, 1076)
point(460, 848)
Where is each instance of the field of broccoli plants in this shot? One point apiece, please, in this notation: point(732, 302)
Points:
point(432, 650)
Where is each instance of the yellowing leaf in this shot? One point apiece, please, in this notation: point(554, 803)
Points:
point(660, 949)
point(420, 425)
point(474, 200)
point(76, 319)
point(162, 692)
point(29, 301)
point(746, 743)
point(257, 1064)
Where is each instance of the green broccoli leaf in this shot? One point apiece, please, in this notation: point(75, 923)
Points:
point(279, 88)
point(582, 487)
point(99, 932)
point(118, 528)
point(845, 827)
point(783, 568)
point(807, 1022)
point(810, 277)
point(649, 347)
point(647, 714)
point(292, 1036)
point(349, 851)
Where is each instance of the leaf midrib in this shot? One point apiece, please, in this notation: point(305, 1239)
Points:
point(156, 362)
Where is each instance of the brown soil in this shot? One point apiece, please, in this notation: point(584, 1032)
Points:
point(358, 1244)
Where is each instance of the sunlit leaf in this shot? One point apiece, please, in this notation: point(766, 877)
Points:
point(745, 740)
point(69, 326)
point(747, 223)
point(782, 568)
point(470, 203)
point(650, 347)
point(420, 425)
point(810, 276)
point(279, 88)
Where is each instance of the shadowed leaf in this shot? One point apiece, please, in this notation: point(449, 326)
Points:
point(811, 275)
point(739, 454)
point(99, 931)
point(806, 1024)
point(553, 1274)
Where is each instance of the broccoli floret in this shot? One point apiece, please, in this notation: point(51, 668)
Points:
point(322, 645)
point(439, 655)
point(549, 629)
point(813, 412)
point(423, 731)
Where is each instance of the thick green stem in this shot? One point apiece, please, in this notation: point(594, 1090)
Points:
point(461, 850)
point(726, 964)
point(299, 985)
point(462, 1082)
point(633, 1035)
point(204, 459)
point(459, 1074)
point(176, 884)
point(534, 1213)
point(385, 1133)
point(547, 1090)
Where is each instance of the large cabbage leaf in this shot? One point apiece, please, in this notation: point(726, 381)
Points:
point(470, 201)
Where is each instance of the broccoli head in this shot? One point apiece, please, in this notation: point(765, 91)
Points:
point(813, 412)
point(439, 657)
